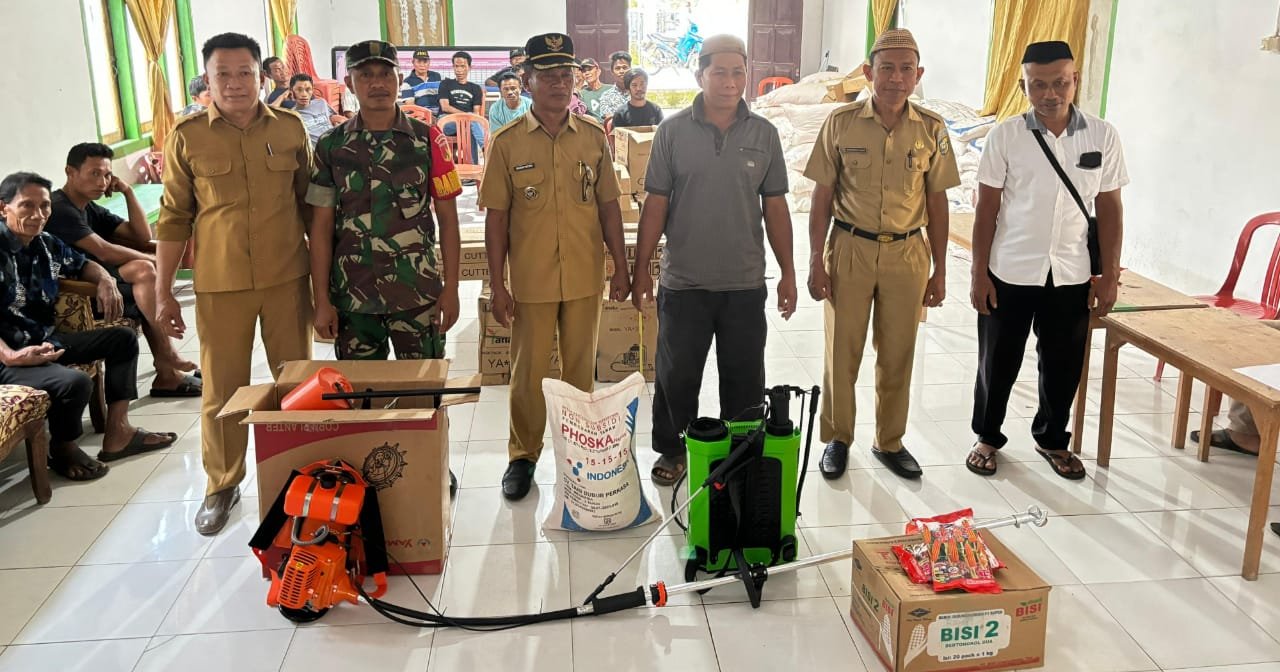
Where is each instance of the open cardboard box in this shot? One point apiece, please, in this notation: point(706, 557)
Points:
point(401, 445)
point(913, 629)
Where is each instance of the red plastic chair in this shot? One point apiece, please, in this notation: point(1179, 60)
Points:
point(1268, 308)
point(418, 112)
point(469, 167)
point(770, 83)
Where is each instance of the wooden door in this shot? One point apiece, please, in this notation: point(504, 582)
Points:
point(598, 28)
point(775, 40)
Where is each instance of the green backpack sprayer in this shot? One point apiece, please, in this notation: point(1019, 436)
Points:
point(751, 519)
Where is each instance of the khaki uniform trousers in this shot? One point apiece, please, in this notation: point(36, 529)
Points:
point(226, 322)
point(533, 329)
point(882, 284)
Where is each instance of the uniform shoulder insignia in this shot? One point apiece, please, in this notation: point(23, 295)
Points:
point(507, 129)
point(184, 120)
point(850, 107)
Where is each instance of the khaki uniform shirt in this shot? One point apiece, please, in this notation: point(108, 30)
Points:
point(881, 177)
point(552, 190)
point(239, 194)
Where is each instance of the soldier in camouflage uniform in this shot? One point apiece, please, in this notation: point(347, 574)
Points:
point(374, 269)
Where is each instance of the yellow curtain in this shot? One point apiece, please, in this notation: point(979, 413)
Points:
point(1016, 24)
point(152, 19)
point(283, 13)
point(882, 12)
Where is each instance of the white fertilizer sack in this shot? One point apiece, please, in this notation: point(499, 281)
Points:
point(597, 480)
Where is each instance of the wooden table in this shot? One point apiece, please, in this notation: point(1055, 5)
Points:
point(1207, 345)
point(1136, 294)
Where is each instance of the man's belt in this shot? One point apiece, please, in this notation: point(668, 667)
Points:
point(878, 237)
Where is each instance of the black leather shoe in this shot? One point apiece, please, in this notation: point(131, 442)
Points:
point(835, 460)
point(453, 484)
point(516, 482)
point(216, 510)
point(900, 463)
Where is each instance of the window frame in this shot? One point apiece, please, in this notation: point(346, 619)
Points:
point(133, 134)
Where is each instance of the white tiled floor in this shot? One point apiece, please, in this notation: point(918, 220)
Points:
point(1143, 556)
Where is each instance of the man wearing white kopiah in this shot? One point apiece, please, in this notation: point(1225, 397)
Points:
point(1040, 259)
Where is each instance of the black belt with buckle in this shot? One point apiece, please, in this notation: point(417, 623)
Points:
point(878, 237)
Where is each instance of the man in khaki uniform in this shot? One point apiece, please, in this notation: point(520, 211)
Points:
point(882, 167)
point(234, 182)
point(552, 201)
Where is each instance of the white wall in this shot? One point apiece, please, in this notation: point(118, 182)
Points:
point(844, 32)
point(355, 21)
point(506, 22)
point(812, 37)
point(48, 107)
point(315, 24)
point(249, 17)
point(955, 39)
point(1195, 102)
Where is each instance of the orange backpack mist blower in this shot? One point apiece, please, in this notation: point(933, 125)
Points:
point(320, 540)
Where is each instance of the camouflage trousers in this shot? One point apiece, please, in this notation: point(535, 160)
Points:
point(413, 333)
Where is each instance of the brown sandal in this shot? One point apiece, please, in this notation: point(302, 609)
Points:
point(1064, 463)
point(983, 465)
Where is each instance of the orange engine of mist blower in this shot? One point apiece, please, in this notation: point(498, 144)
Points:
point(320, 540)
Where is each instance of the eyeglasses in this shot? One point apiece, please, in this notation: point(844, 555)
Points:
point(588, 177)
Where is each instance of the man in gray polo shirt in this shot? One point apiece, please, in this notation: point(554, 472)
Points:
point(715, 172)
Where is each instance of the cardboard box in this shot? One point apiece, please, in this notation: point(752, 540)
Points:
point(618, 350)
point(402, 447)
point(913, 629)
point(495, 348)
point(630, 210)
point(632, 147)
point(624, 178)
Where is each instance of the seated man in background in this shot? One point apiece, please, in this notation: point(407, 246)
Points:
point(31, 354)
point(637, 111)
point(198, 89)
point(278, 75)
point(417, 87)
point(459, 96)
point(316, 113)
point(1241, 434)
point(124, 248)
point(516, 57)
point(511, 106)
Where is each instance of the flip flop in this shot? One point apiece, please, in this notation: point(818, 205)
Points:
point(92, 469)
point(981, 470)
point(189, 386)
point(675, 466)
point(138, 445)
point(1219, 438)
point(1057, 459)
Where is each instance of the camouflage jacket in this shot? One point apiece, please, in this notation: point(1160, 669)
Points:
point(29, 286)
point(381, 184)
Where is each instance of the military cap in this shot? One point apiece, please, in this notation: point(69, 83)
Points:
point(371, 50)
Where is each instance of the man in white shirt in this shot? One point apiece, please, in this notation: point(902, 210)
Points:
point(1031, 254)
